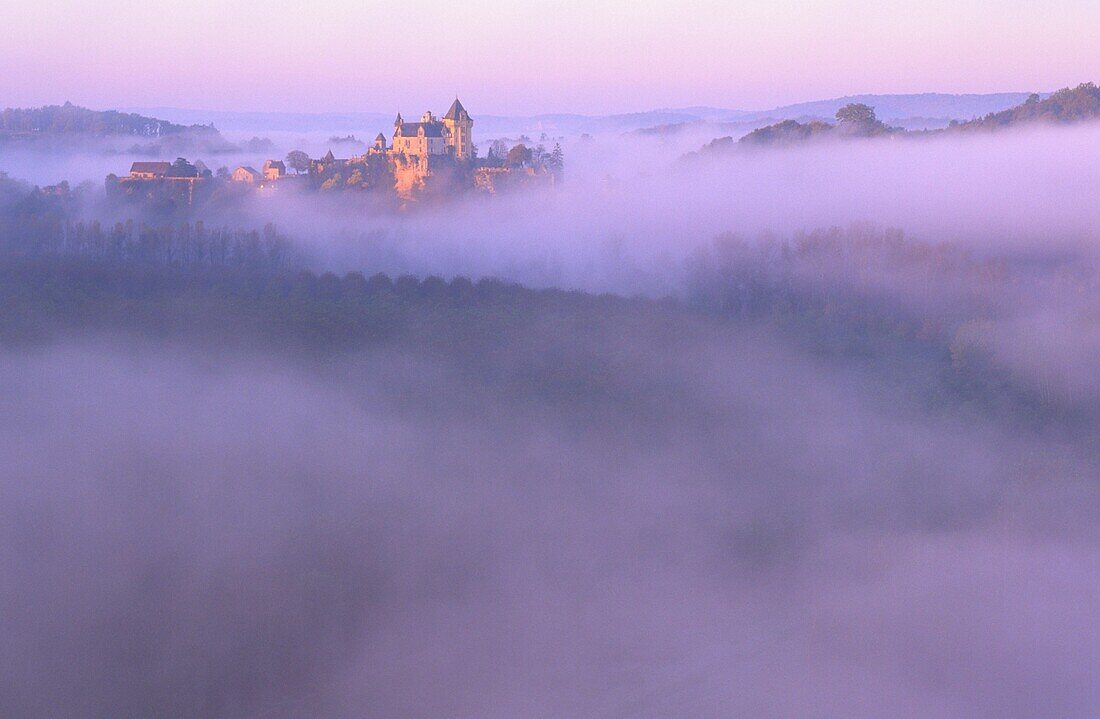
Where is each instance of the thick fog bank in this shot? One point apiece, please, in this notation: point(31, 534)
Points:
point(219, 535)
point(628, 213)
point(855, 476)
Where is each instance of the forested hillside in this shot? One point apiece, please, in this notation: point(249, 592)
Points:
point(859, 121)
point(1068, 105)
point(68, 125)
point(69, 118)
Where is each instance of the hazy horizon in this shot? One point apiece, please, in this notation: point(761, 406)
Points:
point(590, 58)
point(685, 108)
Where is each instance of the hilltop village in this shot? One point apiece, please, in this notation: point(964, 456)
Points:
point(431, 159)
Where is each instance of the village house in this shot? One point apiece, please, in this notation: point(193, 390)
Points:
point(159, 181)
point(246, 174)
point(177, 172)
point(326, 163)
point(274, 170)
point(149, 170)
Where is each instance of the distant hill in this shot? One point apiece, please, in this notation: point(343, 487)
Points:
point(1065, 106)
point(368, 124)
point(910, 111)
point(70, 126)
point(894, 108)
point(1068, 105)
point(916, 111)
point(702, 127)
point(924, 111)
point(71, 119)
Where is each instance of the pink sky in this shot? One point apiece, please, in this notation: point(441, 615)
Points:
point(514, 57)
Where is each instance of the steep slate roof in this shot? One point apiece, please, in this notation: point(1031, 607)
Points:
point(249, 169)
point(158, 168)
point(456, 112)
point(275, 165)
point(412, 129)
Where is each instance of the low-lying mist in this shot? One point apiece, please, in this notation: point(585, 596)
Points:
point(631, 210)
point(737, 529)
point(629, 214)
point(841, 473)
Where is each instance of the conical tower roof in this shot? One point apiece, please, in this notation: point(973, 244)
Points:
point(457, 111)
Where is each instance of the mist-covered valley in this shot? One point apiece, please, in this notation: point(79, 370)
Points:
point(806, 432)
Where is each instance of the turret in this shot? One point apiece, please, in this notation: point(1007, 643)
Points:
point(460, 129)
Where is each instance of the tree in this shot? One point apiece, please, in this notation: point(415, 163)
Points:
point(519, 156)
point(379, 173)
point(182, 168)
point(498, 151)
point(297, 161)
point(857, 113)
point(556, 161)
point(379, 283)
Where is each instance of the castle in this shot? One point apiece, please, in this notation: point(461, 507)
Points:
point(452, 135)
point(418, 148)
point(432, 158)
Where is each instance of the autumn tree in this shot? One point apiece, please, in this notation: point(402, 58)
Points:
point(519, 156)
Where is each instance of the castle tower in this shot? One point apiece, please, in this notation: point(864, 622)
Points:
point(460, 128)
